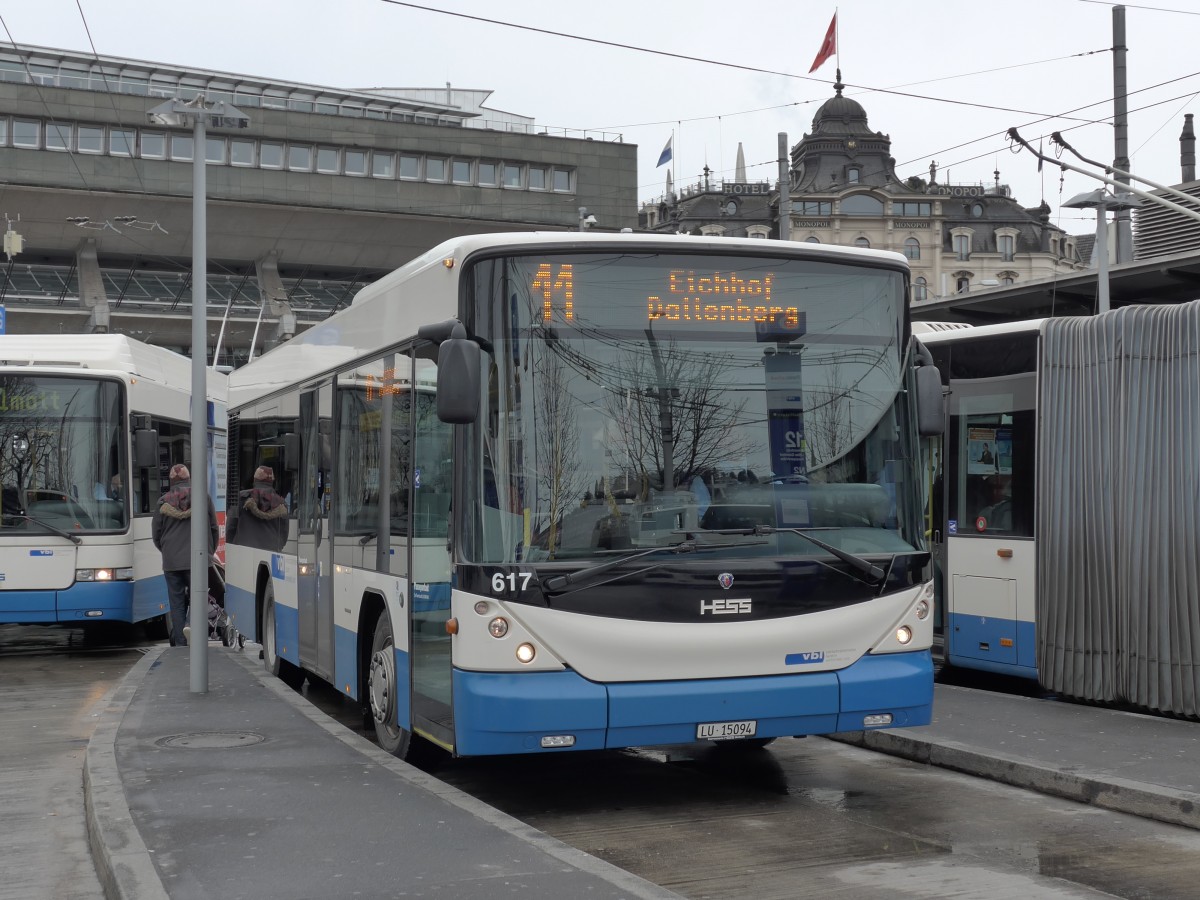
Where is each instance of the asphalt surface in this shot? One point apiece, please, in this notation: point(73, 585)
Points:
point(249, 791)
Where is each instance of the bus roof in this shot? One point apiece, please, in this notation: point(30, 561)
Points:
point(375, 321)
point(101, 354)
point(949, 335)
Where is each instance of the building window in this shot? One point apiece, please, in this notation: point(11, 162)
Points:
point(1004, 243)
point(487, 173)
point(383, 165)
point(153, 145)
point(862, 205)
point(758, 231)
point(460, 171)
point(121, 141)
point(861, 242)
point(1008, 279)
point(912, 209)
point(962, 284)
point(355, 162)
point(58, 137)
point(327, 160)
point(241, 153)
point(962, 247)
point(852, 175)
point(920, 289)
point(976, 210)
point(181, 147)
point(812, 239)
point(214, 151)
point(537, 178)
point(562, 180)
point(300, 157)
point(816, 208)
point(512, 175)
point(91, 139)
point(3, 126)
point(270, 156)
point(912, 248)
point(410, 167)
point(27, 133)
point(435, 169)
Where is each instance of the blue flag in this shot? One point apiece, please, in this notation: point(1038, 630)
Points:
point(665, 156)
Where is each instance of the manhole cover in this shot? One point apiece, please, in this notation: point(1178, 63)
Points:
point(211, 740)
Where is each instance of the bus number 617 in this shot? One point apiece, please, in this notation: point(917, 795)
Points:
point(502, 582)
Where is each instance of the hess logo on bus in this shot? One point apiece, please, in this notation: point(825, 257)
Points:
point(725, 607)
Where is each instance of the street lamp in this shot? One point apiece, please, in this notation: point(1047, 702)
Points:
point(176, 113)
point(1102, 201)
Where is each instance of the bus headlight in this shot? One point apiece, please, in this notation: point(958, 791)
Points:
point(498, 627)
point(104, 574)
point(922, 609)
point(904, 634)
point(526, 653)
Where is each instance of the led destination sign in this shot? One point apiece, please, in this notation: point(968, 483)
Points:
point(686, 296)
point(30, 398)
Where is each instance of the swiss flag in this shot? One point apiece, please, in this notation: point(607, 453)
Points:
point(828, 46)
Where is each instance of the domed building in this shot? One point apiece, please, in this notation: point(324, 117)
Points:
point(844, 190)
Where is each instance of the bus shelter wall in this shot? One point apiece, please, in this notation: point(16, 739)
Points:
point(1118, 520)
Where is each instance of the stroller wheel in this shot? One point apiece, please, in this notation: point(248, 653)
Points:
point(241, 641)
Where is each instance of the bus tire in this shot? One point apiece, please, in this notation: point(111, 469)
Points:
point(288, 673)
point(381, 691)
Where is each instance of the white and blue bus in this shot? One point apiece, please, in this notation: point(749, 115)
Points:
point(90, 425)
point(586, 491)
point(1064, 519)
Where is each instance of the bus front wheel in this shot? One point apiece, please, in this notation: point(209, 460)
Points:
point(287, 672)
point(382, 691)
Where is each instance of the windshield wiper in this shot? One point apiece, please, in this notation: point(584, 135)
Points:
point(558, 582)
point(868, 568)
point(73, 538)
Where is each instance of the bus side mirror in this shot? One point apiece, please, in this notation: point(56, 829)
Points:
point(458, 379)
point(145, 448)
point(931, 405)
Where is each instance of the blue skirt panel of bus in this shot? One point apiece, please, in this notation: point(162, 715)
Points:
point(287, 633)
point(510, 713)
point(112, 599)
point(975, 642)
point(239, 606)
point(429, 597)
point(150, 598)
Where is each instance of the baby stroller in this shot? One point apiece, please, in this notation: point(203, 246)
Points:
point(219, 626)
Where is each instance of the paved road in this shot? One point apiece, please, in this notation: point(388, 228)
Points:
point(53, 683)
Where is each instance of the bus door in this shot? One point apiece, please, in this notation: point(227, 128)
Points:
point(430, 478)
point(314, 571)
point(990, 573)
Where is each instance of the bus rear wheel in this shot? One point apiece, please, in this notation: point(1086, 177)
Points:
point(382, 690)
point(288, 673)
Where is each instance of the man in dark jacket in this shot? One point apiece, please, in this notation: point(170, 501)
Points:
point(172, 533)
point(262, 520)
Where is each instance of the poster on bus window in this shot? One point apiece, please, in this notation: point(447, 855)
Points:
point(989, 451)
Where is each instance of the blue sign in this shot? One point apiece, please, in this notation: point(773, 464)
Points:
point(3, 321)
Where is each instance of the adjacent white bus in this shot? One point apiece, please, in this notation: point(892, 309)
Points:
point(552, 491)
point(90, 425)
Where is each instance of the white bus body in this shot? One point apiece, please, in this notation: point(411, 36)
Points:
point(75, 543)
point(630, 543)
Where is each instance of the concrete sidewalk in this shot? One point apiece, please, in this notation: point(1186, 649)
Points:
point(249, 791)
point(1130, 762)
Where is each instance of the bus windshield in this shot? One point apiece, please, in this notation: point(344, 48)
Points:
point(636, 399)
point(61, 459)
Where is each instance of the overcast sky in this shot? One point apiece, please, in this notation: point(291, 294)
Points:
point(720, 72)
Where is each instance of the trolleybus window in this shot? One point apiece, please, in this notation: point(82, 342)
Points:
point(60, 439)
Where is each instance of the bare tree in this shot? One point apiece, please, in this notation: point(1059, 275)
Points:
point(560, 480)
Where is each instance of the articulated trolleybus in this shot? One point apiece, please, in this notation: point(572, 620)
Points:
point(90, 425)
point(554, 491)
